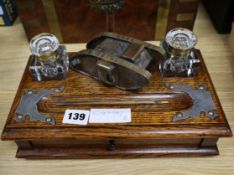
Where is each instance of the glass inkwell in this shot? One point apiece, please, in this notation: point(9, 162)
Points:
point(49, 58)
point(180, 59)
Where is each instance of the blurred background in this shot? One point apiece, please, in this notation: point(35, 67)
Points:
point(76, 21)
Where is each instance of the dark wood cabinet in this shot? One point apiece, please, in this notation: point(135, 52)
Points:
point(75, 21)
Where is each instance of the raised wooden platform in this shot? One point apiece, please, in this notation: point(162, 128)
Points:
point(151, 133)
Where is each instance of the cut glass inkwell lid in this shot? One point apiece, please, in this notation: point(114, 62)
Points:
point(43, 44)
point(180, 41)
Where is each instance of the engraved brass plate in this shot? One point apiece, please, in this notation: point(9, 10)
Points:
point(162, 18)
point(185, 16)
point(52, 18)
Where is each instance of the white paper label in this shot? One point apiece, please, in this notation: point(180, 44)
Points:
point(79, 117)
point(122, 115)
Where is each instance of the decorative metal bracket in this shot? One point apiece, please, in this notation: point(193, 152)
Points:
point(28, 106)
point(202, 102)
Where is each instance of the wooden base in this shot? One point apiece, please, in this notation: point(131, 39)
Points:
point(151, 133)
point(64, 153)
point(120, 148)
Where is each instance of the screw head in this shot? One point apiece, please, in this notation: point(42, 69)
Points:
point(211, 113)
point(30, 92)
point(57, 90)
point(48, 120)
point(19, 116)
point(179, 114)
point(201, 87)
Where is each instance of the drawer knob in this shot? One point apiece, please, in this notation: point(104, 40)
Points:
point(111, 145)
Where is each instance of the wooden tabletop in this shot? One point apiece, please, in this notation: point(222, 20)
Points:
point(218, 57)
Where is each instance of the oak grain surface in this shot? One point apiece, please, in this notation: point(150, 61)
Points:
point(219, 60)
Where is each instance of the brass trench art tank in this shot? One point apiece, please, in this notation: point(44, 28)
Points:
point(117, 60)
